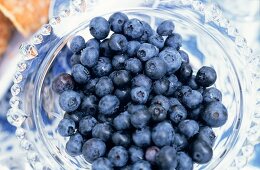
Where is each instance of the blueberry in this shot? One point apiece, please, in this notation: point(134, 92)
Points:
point(93, 43)
point(118, 43)
point(185, 72)
point(139, 95)
point(133, 65)
point(76, 116)
point(212, 95)
point(206, 76)
point(142, 137)
point(118, 61)
point(102, 131)
point(118, 155)
point(117, 21)
point(105, 119)
point(192, 100)
point(156, 40)
point(141, 165)
point(103, 67)
point(195, 114)
point(188, 128)
point(63, 82)
point(93, 149)
point(166, 28)
point(207, 134)
point(174, 102)
point(136, 153)
point(123, 94)
point(142, 81)
point(74, 145)
point(75, 59)
point(148, 31)
point(192, 83)
point(102, 164)
point(140, 118)
point(180, 142)
point(215, 114)
point(121, 138)
point(108, 105)
point(172, 58)
point(177, 114)
point(147, 51)
point(174, 40)
point(184, 161)
point(133, 28)
point(184, 56)
point(89, 104)
point(89, 57)
point(122, 121)
point(77, 44)
point(161, 86)
point(162, 101)
point(69, 101)
point(163, 134)
point(66, 127)
point(181, 91)
point(80, 74)
point(90, 86)
point(121, 78)
point(174, 84)
point(99, 28)
point(155, 68)
point(104, 86)
point(166, 158)
point(200, 152)
point(105, 49)
point(150, 154)
point(158, 113)
point(86, 125)
point(132, 48)
point(132, 108)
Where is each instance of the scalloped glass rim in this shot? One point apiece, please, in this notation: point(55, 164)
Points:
point(243, 154)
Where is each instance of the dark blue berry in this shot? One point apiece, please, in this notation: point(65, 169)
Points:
point(195, 114)
point(207, 134)
point(142, 81)
point(66, 127)
point(63, 82)
point(89, 57)
point(139, 95)
point(118, 61)
point(147, 51)
point(89, 104)
point(180, 142)
point(142, 137)
point(133, 65)
point(174, 102)
point(103, 67)
point(166, 158)
point(142, 164)
point(132, 48)
point(184, 161)
point(162, 101)
point(140, 118)
point(192, 100)
point(74, 145)
point(172, 58)
point(76, 116)
point(155, 68)
point(102, 164)
point(181, 91)
point(122, 121)
point(90, 86)
point(121, 78)
point(212, 95)
point(93, 43)
point(86, 125)
point(69, 101)
point(102, 131)
point(80, 74)
point(174, 40)
point(177, 113)
point(150, 154)
point(121, 138)
point(133, 28)
point(123, 94)
point(118, 155)
point(166, 28)
point(192, 83)
point(157, 41)
point(158, 113)
point(161, 86)
point(77, 44)
point(108, 105)
point(215, 114)
point(132, 108)
point(75, 59)
point(105, 119)
point(104, 86)
point(206, 76)
point(117, 21)
point(118, 43)
point(105, 48)
point(174, 84)
point(148, 31)
point(93, 149)
point(200, 152)
point(185, 72)
point(184, 56)
point(188, 128)
point(163, 134)
point(99, 28)
point(136, 153)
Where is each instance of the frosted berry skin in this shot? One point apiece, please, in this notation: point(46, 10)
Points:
point(206, 76)
point(108, 105)
point(166, 28)
point(93, 149)
point(118, 155)
point(118, 43)
point(163, 134)
point(80, 74)
point(63, 82)
point(155, 68)
point(89, 57)
point(133, 28)
point(99, 28)
point(74, 145)
point(117, 21)
point(77, 44)
point(136, 153)
point(69, 101)
point(147, 51)
point(66, 127)
point(166, 158)
point(142, 164)
point(174, 41)
point(102, 164)
point(184, 161)
point(200, 152)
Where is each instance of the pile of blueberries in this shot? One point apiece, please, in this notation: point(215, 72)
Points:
point(132, 101)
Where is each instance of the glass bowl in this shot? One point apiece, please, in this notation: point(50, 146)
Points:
point(209, 39)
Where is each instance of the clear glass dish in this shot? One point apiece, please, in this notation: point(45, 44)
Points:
point(209, 38)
